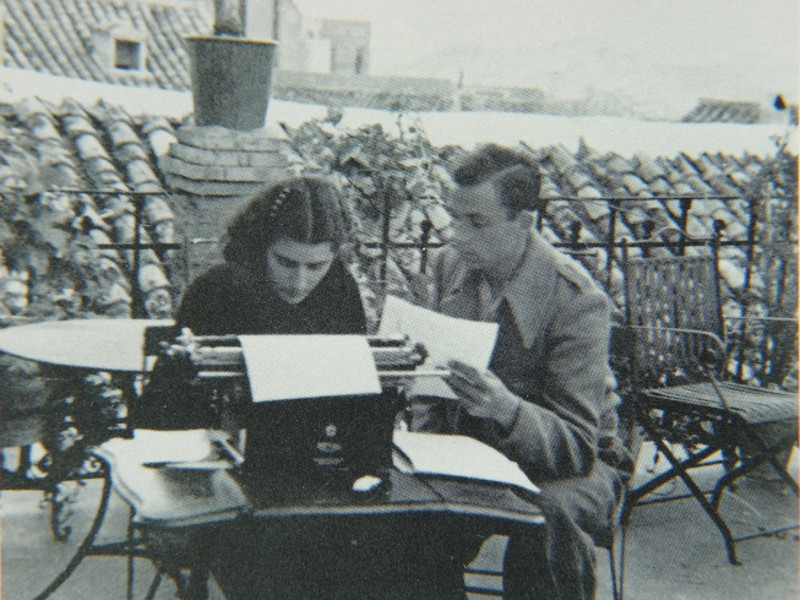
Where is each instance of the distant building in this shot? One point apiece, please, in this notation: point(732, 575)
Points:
point(349, 46)
point(141, 42)
point(124, 42)
point(313, 45)
point(728, 111)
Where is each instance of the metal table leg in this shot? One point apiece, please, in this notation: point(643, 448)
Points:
point(86, 544)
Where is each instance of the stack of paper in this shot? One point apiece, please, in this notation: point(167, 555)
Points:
point(173, 476)
point(456, 456)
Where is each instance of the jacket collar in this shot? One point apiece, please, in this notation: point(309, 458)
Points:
point(530, 293)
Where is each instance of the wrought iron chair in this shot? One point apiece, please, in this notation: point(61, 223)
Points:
point(685, 396)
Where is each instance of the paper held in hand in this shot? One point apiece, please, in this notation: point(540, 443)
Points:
point(456, 456)
point(445, 338)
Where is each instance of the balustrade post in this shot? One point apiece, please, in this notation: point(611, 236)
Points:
point(686, 206)
point(614, 206)
point(426, 227)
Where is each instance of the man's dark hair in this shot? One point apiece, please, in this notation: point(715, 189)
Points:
point(514, 173)
point(303, 209)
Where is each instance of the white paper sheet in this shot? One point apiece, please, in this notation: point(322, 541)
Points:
point(456, 456)
point(153, 446)
point(290, 367)
point(444, 337)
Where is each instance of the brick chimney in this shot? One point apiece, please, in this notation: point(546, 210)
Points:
point(225, 151)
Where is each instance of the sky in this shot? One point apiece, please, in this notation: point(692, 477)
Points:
point(654, 53)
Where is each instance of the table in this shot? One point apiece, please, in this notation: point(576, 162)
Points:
point(408, 539)
point(70, 350)
point(97, 344)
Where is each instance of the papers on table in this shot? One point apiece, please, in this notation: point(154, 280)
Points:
point(174, 476)
point(190, 449)
point(444, 337)
point(152, 446)
point(287, 367)
point(456, 456)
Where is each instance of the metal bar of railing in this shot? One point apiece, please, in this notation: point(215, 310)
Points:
point(426, 227)
point(583, 245)
point(133, 246)
point(610, 198)
point(611, 237)
point(683, 222)
point(385, 226)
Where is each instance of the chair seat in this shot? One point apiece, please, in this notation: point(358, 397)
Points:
point(751, 404)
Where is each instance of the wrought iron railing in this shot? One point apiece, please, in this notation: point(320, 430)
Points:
point(666, 230)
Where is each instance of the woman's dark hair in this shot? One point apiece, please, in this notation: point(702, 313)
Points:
point(303, 209)
point(514, 173)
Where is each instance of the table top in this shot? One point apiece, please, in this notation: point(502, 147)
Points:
point(170, 497)
point(101, 344)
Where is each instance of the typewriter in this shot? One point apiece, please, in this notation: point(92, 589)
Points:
point(294, 448)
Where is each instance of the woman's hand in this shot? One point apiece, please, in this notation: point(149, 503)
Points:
point(483, 394)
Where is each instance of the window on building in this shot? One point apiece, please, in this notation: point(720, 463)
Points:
point(127, 55)
point(333, 69)
point(359, 66)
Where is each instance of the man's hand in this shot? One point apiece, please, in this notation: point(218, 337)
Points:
point(483, 394)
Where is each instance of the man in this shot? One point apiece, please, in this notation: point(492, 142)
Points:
point(547, 400)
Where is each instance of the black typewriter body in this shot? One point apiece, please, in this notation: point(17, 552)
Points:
point(295, 448)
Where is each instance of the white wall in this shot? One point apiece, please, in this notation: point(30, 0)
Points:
point(604, 134)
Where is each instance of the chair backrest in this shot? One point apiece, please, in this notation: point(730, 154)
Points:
point(674, 291)
point(671, 356)
point(666, 294)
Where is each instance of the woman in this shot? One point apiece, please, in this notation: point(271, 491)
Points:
point(281, 275)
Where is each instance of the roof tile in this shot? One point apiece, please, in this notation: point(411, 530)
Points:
point(633, 184)
point(59, 37)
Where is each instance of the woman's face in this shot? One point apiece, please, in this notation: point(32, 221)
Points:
point(295, 268)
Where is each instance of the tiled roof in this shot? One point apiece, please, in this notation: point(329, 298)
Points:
point(706, 177)
point(74, 38)
point(102, 147)
point(724, 111)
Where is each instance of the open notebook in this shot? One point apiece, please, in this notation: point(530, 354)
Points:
point(456, 456)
